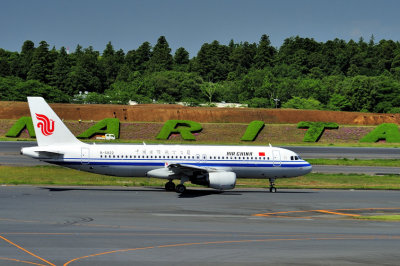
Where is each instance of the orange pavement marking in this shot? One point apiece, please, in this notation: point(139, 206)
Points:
point(334, 211)
point(235, 242)
point(23, 261)
point(338, 213)
point(30, 253)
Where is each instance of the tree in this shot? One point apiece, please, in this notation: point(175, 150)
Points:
point(302, 103)
point(361, 93)
point(242, 58)
point(161, 58)
point(25, 59)
point(5, 69)
point(181, 59)
point(212, 61)
point(265, 53)
point(338, 102)
point(62, 67)
point(111, 62)
point(41, 63)
point(209, 89)
point(142, 56)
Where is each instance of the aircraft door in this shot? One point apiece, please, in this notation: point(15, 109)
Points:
point(85, 155)
point(276, 157)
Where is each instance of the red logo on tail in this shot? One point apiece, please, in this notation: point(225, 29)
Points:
point(45, 124)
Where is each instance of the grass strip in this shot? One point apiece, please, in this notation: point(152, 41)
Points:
point(356, 162)
point(55, 175)
point(394, 218)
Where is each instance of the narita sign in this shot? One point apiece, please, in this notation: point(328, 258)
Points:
point(186, 129)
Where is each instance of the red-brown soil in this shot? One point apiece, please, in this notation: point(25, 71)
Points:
point(162, 113)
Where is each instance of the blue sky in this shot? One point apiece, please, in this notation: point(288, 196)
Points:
point(189, 23)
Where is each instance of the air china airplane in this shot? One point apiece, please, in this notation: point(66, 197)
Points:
point(212, 166)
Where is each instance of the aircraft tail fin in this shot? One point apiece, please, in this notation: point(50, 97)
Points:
point(48, 126)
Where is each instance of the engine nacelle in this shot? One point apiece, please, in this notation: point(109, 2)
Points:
point(222, 180)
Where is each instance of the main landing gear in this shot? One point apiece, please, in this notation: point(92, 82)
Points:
point(180, 188)
point(170, 186)
point(272, 187)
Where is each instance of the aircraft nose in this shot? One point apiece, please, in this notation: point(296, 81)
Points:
point(307, 169)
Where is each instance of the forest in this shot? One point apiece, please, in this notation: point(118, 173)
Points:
point(302, 73)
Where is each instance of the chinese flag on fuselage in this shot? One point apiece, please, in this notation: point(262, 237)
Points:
point(261, 154)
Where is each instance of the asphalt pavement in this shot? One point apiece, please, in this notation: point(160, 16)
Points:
point(147, 226)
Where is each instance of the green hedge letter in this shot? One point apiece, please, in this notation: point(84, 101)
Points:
point(387, 131)
point(21, 124)
point(315, 130)
point(105, 126)
point(183, 127)
point(252, 131)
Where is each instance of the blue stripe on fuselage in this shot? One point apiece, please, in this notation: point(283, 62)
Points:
point(126, 162)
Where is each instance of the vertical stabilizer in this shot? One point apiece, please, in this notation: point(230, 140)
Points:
point(48, 126)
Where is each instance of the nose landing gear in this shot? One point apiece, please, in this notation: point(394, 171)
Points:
point(272, 187)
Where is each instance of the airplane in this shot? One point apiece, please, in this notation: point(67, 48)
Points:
point(217, 167)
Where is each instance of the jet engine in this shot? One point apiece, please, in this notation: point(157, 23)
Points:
point(216, 180)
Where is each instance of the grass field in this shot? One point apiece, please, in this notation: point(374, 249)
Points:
point(54, 175)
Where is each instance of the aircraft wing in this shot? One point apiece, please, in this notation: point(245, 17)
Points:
point(178, 170)
point(190, 169)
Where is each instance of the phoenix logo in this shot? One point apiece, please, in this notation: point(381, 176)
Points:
point(45, 124)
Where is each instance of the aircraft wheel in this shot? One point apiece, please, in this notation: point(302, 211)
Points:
point(180, 189)
point(272, 189)
point(170, 186)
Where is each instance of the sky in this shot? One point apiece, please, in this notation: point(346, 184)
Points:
point(189, 23)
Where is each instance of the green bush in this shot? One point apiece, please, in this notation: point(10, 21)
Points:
point(387, 131)
point(183, 127)
point(105, 126)
point(302, 103)
point(315, 129)
point(21, 124)
point(252, 131)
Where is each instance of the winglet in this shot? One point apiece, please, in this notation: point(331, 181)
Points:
point(48, 126)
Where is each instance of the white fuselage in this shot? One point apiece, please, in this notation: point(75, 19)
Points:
point(132, 160)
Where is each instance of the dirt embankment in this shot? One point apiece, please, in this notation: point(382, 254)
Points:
point(162, 113)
